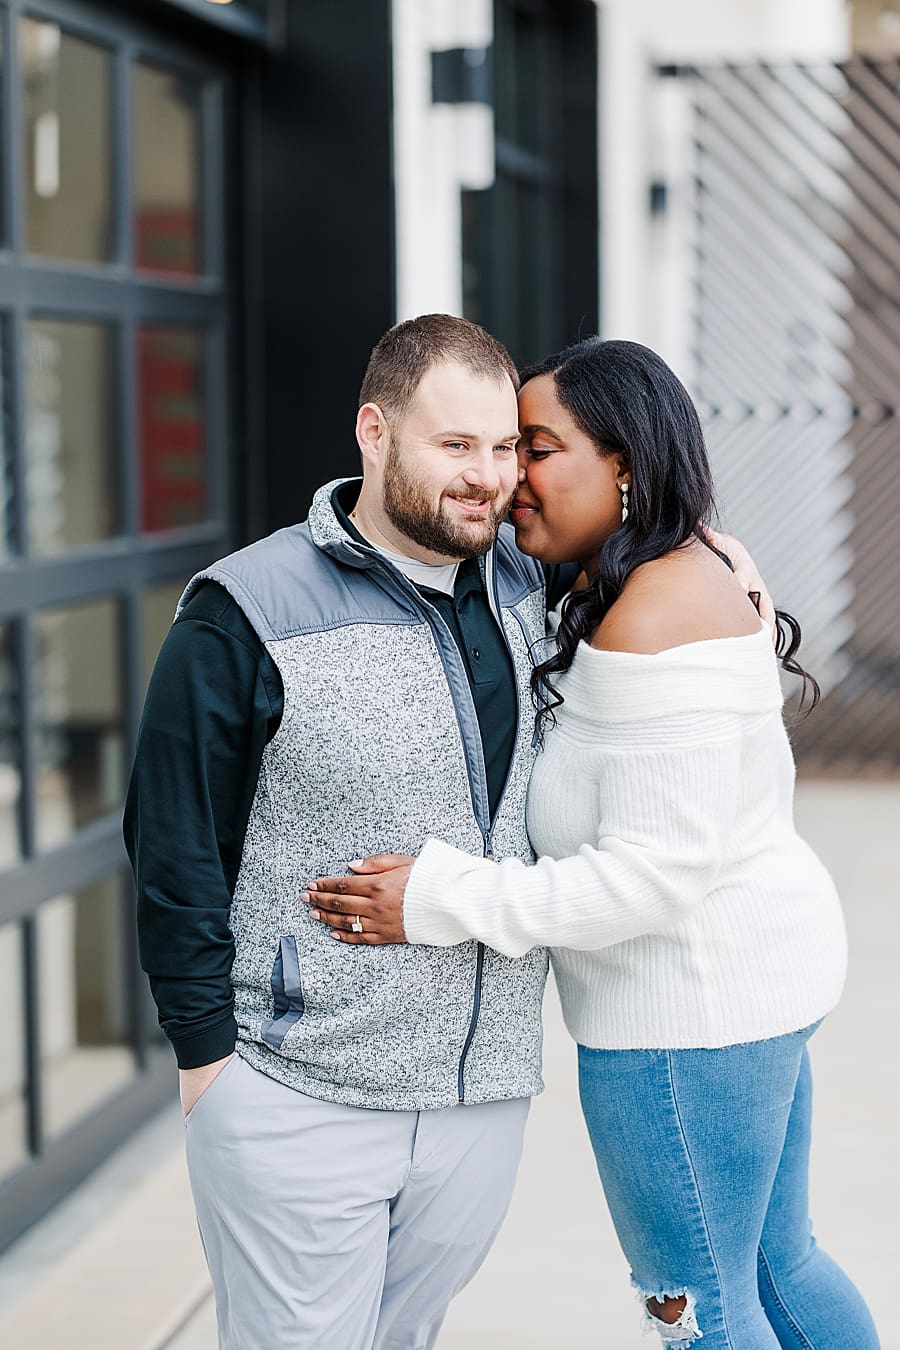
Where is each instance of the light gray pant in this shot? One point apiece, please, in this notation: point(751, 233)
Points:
point(339, 1228)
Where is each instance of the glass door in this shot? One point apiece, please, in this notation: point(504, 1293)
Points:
point(114, 466)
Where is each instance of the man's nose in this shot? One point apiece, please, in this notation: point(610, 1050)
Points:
point(482, 471)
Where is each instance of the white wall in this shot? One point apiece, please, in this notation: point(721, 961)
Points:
point(438, 150)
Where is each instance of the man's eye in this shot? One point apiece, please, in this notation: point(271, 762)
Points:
point(457, 445)
point(504, 449)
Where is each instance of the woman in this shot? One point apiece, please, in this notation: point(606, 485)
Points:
point(698, 940)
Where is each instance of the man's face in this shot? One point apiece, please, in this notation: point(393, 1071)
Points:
point(450, 470)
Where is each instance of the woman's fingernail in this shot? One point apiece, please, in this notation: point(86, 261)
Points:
point(336, 936)
point(312, 886)
point(305, 896)
point(355, 862)
point(314, 914)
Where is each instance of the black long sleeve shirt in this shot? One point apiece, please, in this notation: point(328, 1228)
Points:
point(215, 699)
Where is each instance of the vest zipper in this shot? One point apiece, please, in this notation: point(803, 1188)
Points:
point(494, 602)
point(436, 623)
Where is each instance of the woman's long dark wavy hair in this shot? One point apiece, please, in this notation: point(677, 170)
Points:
point(627, 400)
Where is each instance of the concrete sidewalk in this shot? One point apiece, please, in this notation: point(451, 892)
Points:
point(119, 1265)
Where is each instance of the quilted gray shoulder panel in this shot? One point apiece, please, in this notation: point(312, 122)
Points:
point(286, 585)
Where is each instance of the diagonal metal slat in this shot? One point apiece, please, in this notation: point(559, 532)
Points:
point(795, 244)
point(788, 162)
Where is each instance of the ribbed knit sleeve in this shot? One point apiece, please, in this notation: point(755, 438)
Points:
point(656, 742)
point(666, 814)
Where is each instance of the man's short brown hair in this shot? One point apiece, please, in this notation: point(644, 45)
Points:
point(407, 351)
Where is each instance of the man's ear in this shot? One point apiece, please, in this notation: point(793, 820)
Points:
point(371, 432)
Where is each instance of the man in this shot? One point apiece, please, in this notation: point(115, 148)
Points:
point(349, 686)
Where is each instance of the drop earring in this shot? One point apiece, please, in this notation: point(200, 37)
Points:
point(623, 488)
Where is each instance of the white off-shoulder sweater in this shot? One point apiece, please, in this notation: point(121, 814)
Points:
point(684, 908)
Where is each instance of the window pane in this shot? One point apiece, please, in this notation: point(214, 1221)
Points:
point(10, 755)
point(166, 171)
point(66, 152)
point(6, 487)
point(172, 428)
point(71, 478)
point(13, 1148)
point(157, 612)
point(83, 1000)
point(79, 714)
point(3, 239)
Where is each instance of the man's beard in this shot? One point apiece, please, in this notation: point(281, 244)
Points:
point(407, 505)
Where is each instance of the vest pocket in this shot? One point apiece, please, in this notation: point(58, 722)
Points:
point(287, 993)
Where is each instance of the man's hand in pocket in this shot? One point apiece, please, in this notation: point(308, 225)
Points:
point(192, 1083)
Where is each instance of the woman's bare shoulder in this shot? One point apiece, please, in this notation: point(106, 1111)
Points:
point(686, 596)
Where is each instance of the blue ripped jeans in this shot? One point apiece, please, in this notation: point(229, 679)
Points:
point(704, 1158)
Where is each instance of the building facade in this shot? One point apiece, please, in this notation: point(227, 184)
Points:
point(208, 214)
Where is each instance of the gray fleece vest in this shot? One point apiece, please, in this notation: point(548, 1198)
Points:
point(378, 748)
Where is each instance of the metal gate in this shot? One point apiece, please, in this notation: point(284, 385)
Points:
point(795, 254)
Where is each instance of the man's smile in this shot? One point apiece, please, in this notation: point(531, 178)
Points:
point(477, 506)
